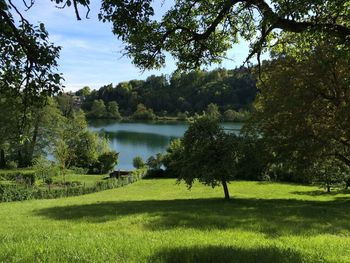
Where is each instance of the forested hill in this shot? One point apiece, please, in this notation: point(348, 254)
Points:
point(187, 92)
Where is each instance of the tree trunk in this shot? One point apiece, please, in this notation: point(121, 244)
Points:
point(224, 185)
point(2, 158)
point(328, 188)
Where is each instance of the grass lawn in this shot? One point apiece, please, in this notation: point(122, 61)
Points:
point(159, 221)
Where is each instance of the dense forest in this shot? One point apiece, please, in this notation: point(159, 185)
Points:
point(233, 91)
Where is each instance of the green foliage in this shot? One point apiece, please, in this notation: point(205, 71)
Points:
point(155, 162)
point(185, 93)
point(42, 167)
point(20, 192)
point(62, 156)
point(11, 165)
point(253, 158)
point(199, 33)
point(113, 110)
point(98, 109)
point(85, 91)
point(173, 157)
point(302, 111)
point(213, 112)
point(232, 115)
point(209, 154)
point(107, 161)
point(138, 162)
point(142, 113)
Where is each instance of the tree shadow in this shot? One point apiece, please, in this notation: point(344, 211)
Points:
point(322, 192)
point(220, 254)
point(273, 217)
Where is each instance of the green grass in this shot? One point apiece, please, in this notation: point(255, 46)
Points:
point(159, 221)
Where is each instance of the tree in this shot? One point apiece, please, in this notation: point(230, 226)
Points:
point(98, 109)
point(209, 154)
point(63, 157)
point(142, 113)
point(85, 91)
point(155, 162)
point(23, 140)
point(113, 110)
point(107, 161)
point(42, 167)
point(66, 104)
point(28, 61)
point(185, 93)
point(302, 110)
point(173, 157)
point(138, 162)
point(213, 111)
point(200, 32)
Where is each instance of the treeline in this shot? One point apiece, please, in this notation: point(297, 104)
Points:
point(180, 95)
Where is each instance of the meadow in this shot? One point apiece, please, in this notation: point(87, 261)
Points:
point(161, 221)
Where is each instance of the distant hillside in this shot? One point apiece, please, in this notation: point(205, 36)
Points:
point(188, 92)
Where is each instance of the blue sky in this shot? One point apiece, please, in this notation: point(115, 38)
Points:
point(91, 55)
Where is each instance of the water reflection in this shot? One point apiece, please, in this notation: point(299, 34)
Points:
point(139, 139)
point(143, 139)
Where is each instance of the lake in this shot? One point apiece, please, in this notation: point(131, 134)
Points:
point(143, 139)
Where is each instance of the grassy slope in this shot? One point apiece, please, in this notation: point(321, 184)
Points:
point(156, 220)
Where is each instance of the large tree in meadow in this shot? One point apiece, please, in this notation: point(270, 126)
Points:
point(208, 154)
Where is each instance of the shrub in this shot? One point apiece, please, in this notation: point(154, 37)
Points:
point(155, 162)
point(10, 193)
point(138, 162)
point(172, 158)
point(155, 173)
point(11, 164)
point(142, 113)
point(108, 161)
point(29, 179)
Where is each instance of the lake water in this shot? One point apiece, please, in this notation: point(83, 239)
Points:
point(143, 139)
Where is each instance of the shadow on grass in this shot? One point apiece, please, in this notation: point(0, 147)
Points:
point(220, 254)
point(322, 192)
point(273, 217)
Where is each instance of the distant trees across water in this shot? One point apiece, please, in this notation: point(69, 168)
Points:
point(180, 96)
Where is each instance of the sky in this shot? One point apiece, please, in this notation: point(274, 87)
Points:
point(91, 55)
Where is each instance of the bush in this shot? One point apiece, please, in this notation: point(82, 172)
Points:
point(28, 178)
point(138, 162)
point(142, 113)
point(155, 162)
point(10, 193)
point(155, 173)
point(106, 162)
point(11, 165)
point(172, 158)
